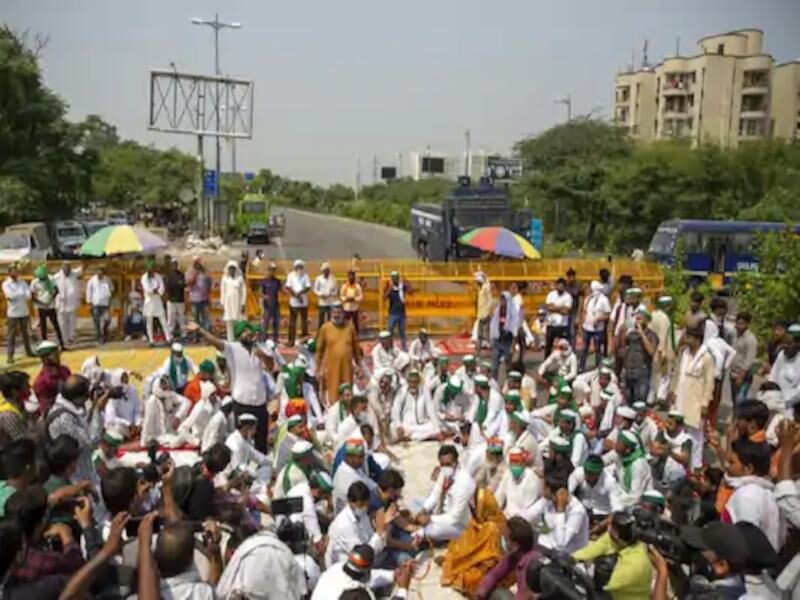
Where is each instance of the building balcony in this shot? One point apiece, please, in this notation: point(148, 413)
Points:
point(673, 114)
point(681, 89)
point(750, 113)
point(752, 89)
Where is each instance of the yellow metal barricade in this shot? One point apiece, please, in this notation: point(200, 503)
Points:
point(442, 298)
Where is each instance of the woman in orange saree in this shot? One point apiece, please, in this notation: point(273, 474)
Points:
point(473, 554)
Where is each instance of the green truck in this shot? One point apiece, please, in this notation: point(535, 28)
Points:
point(253, 219)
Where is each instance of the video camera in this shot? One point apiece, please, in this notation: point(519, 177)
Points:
point(290, 533)
point(557, 577)
point(649, 528)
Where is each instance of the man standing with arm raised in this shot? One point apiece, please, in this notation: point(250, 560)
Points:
point(246, 363)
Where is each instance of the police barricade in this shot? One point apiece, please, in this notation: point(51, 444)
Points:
point(442, 298)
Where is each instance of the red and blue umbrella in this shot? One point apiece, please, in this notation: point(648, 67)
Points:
point(500, 241)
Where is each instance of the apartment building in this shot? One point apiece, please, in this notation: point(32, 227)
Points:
point(727, 93)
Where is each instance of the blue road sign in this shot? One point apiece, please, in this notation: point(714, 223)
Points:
point(249, 176)
point(537, 233)
point(210, 182)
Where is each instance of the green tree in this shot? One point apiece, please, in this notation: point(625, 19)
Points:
point(43, 168)
point(770, 293)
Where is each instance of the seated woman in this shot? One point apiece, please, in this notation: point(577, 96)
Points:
point(478, 550)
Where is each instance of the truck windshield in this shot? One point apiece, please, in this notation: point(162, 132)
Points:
point(663, 242)
point(70, 232)
point(469, 219)
point(13, 241)
point(254, 208)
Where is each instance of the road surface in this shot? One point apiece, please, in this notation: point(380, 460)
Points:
point(319, 236)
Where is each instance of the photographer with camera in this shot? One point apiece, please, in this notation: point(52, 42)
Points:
point(68, 417)
point(168, 571)
point(630, 569)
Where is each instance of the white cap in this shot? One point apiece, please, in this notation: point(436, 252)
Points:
point(585, 411)
point(246, 418)
point(299, 263)
point(300, 447)
point(324, 266)
point(385, 334)
point(626, 412)
point(481, 380)
point(177, 347)
point(46, 347)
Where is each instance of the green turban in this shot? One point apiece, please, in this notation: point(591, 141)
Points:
point(240, 327)
point(41, 272)
point(207, 367)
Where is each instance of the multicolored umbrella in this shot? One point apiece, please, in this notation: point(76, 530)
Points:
point(121, 239)
point(500, 241)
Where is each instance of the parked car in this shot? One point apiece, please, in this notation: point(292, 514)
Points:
point(118, 217)
point(69, 237)
point(92, 227)
point(25, 242)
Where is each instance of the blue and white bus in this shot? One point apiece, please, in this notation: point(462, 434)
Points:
point(718, 248)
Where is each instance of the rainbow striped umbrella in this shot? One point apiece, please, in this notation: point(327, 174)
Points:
point(121, 239)
point(500, 241)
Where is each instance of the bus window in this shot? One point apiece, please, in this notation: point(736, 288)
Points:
point(741, 243)
point(692, 242)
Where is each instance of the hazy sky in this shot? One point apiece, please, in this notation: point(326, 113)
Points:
point(340, 78)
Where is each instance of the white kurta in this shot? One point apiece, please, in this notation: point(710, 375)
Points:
point(153, 290)
point(345, 477)
point(215, 432)
point(567, 532)
point(382, 358)
point(233, 297)
point(515, 496)
point(415, 414)
point(491, 425)
point(69, 291)
point(641, 481)
point(422, 353)
point(786, 373)
point(347, 531)
point(243, 452)
point(754, 502)
point(449, 509)
point(449, 414)
point(194, 426)
point(596, 498)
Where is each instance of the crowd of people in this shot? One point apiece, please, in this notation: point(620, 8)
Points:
point(666, 466)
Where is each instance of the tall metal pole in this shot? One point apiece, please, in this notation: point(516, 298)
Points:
point(466, 154)
point(567, 101)
point(215, 207)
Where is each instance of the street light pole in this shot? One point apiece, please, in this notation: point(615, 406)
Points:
point(216, 25)
point(566, 101)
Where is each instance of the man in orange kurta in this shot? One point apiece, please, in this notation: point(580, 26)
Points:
point(337, 350)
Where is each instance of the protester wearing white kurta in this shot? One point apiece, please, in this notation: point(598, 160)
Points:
point(345, 477)
point(153, 308)
point(383, 358)
point(641, 481)
point(68, 301)
point(232, 297)
point(515, 495)
point(492, 422)
point(596, 498)
point(122, 413)
point(192, 429)
point(448, 507)
point(244, 452)
point(161, 409)
point(786, 373)
point(413, 411)
point(754, 502)
point(348, 530)
point(563, 363)
point(215, 432)
point(308, 517)
point(421, 352)
point(567, 532)
point(451, 407)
